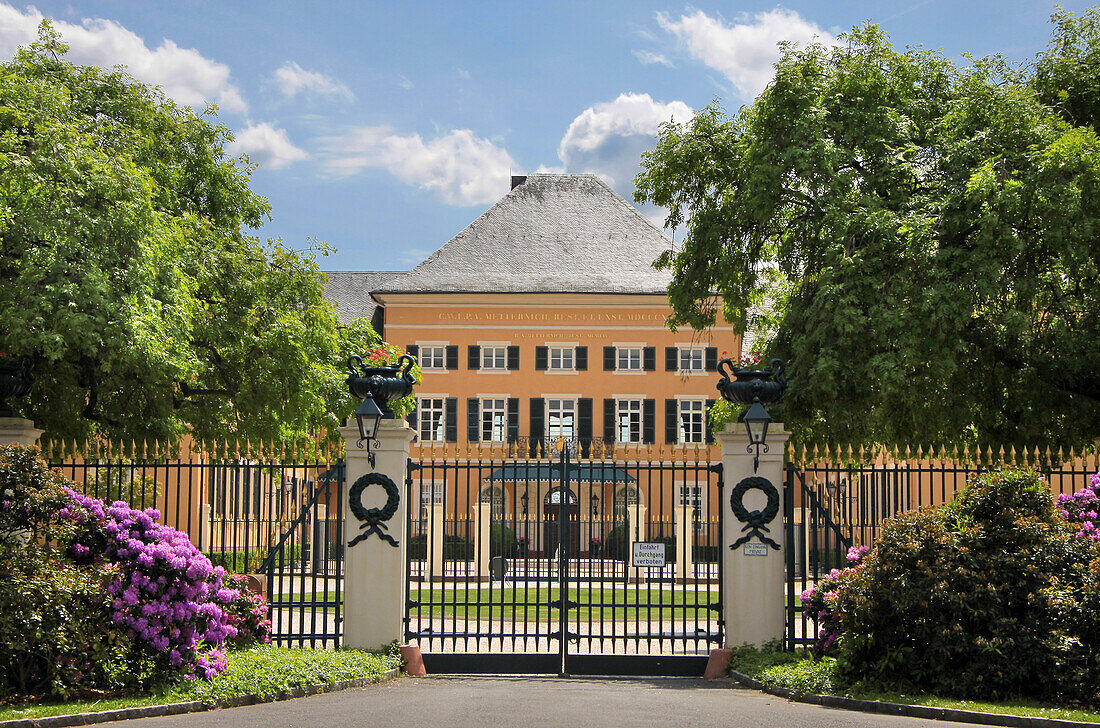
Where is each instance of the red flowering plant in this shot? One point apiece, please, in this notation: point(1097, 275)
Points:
point(822, 602)
point(1081, 509)
point(247, 613)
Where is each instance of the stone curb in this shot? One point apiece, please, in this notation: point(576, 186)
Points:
point(194, 706)
point(911, 711)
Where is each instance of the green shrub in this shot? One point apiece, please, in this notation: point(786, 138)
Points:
point(242, 561)
point(56, 635)
point(455, 548)
point(502, 540)
point(988, 597)
point(707, 554)
point(618, 543)
point(251, 561)
point(31, 496)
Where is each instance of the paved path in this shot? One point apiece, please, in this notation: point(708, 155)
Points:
point(465, 702)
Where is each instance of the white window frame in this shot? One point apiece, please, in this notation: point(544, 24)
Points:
point(430, 365)
point(562, 353)
point(624, 497)
point(689, 407)
point(691, 495)
point(431, 492)
point(696, 356)
point(488, 408)
point(440, 426)
point(494, 357)
point(629, 358)
point(628, 419)
point(566, 408)
point(493, 495)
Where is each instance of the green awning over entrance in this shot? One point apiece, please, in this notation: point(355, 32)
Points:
point(596, 473)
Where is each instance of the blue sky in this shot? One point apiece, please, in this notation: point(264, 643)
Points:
point(383, 129)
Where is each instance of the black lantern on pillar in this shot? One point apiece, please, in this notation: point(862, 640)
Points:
point(367, 416)
point(756, 420)
point(595, 506)
point(376, 386)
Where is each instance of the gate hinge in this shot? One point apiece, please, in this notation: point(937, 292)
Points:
point(716, 468)
point(569, 604)
point(414, 466)
point(714, 607)
point(413, 604)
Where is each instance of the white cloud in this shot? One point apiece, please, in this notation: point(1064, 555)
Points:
point(266, 146)
point(404, 82)
point(185, 75)
point(648, 58)
point(745, 52)
point(458, 167)
point(413, 257)
point(463, 73)
point(292, 79)
point(608, 139)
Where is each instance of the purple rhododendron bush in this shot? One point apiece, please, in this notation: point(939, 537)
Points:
point(995, 595)
point(98, 597)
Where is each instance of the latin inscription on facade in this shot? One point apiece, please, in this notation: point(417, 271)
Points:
point(552, 317)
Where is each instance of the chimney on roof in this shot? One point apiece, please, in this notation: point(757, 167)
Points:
point(518, 179)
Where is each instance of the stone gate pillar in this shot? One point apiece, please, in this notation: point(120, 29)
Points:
point(374, 568)
point(18, 431)
point(752, 544)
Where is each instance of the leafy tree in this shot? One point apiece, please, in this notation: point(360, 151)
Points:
point(922, 235)
point(127, 271)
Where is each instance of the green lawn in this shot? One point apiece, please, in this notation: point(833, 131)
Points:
point(794, 671)
point(263, 670)
point(496, 602)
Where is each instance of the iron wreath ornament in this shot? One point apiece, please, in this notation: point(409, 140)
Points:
point(374, 518)
point(756, 520)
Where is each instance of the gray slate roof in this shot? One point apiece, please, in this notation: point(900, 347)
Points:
point(349, 291)
point(555, 233)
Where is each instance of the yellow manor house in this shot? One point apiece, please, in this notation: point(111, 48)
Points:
point(544, 319)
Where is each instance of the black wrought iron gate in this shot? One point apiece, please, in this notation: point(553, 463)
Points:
point(521, 562)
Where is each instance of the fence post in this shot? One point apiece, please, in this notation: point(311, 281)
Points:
point(437, 562)
point(206, 542)
point(684, 540)
point(753, 572)
point(374, 581)
point(18, 431)
point(482, 535)
point(637, 530)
